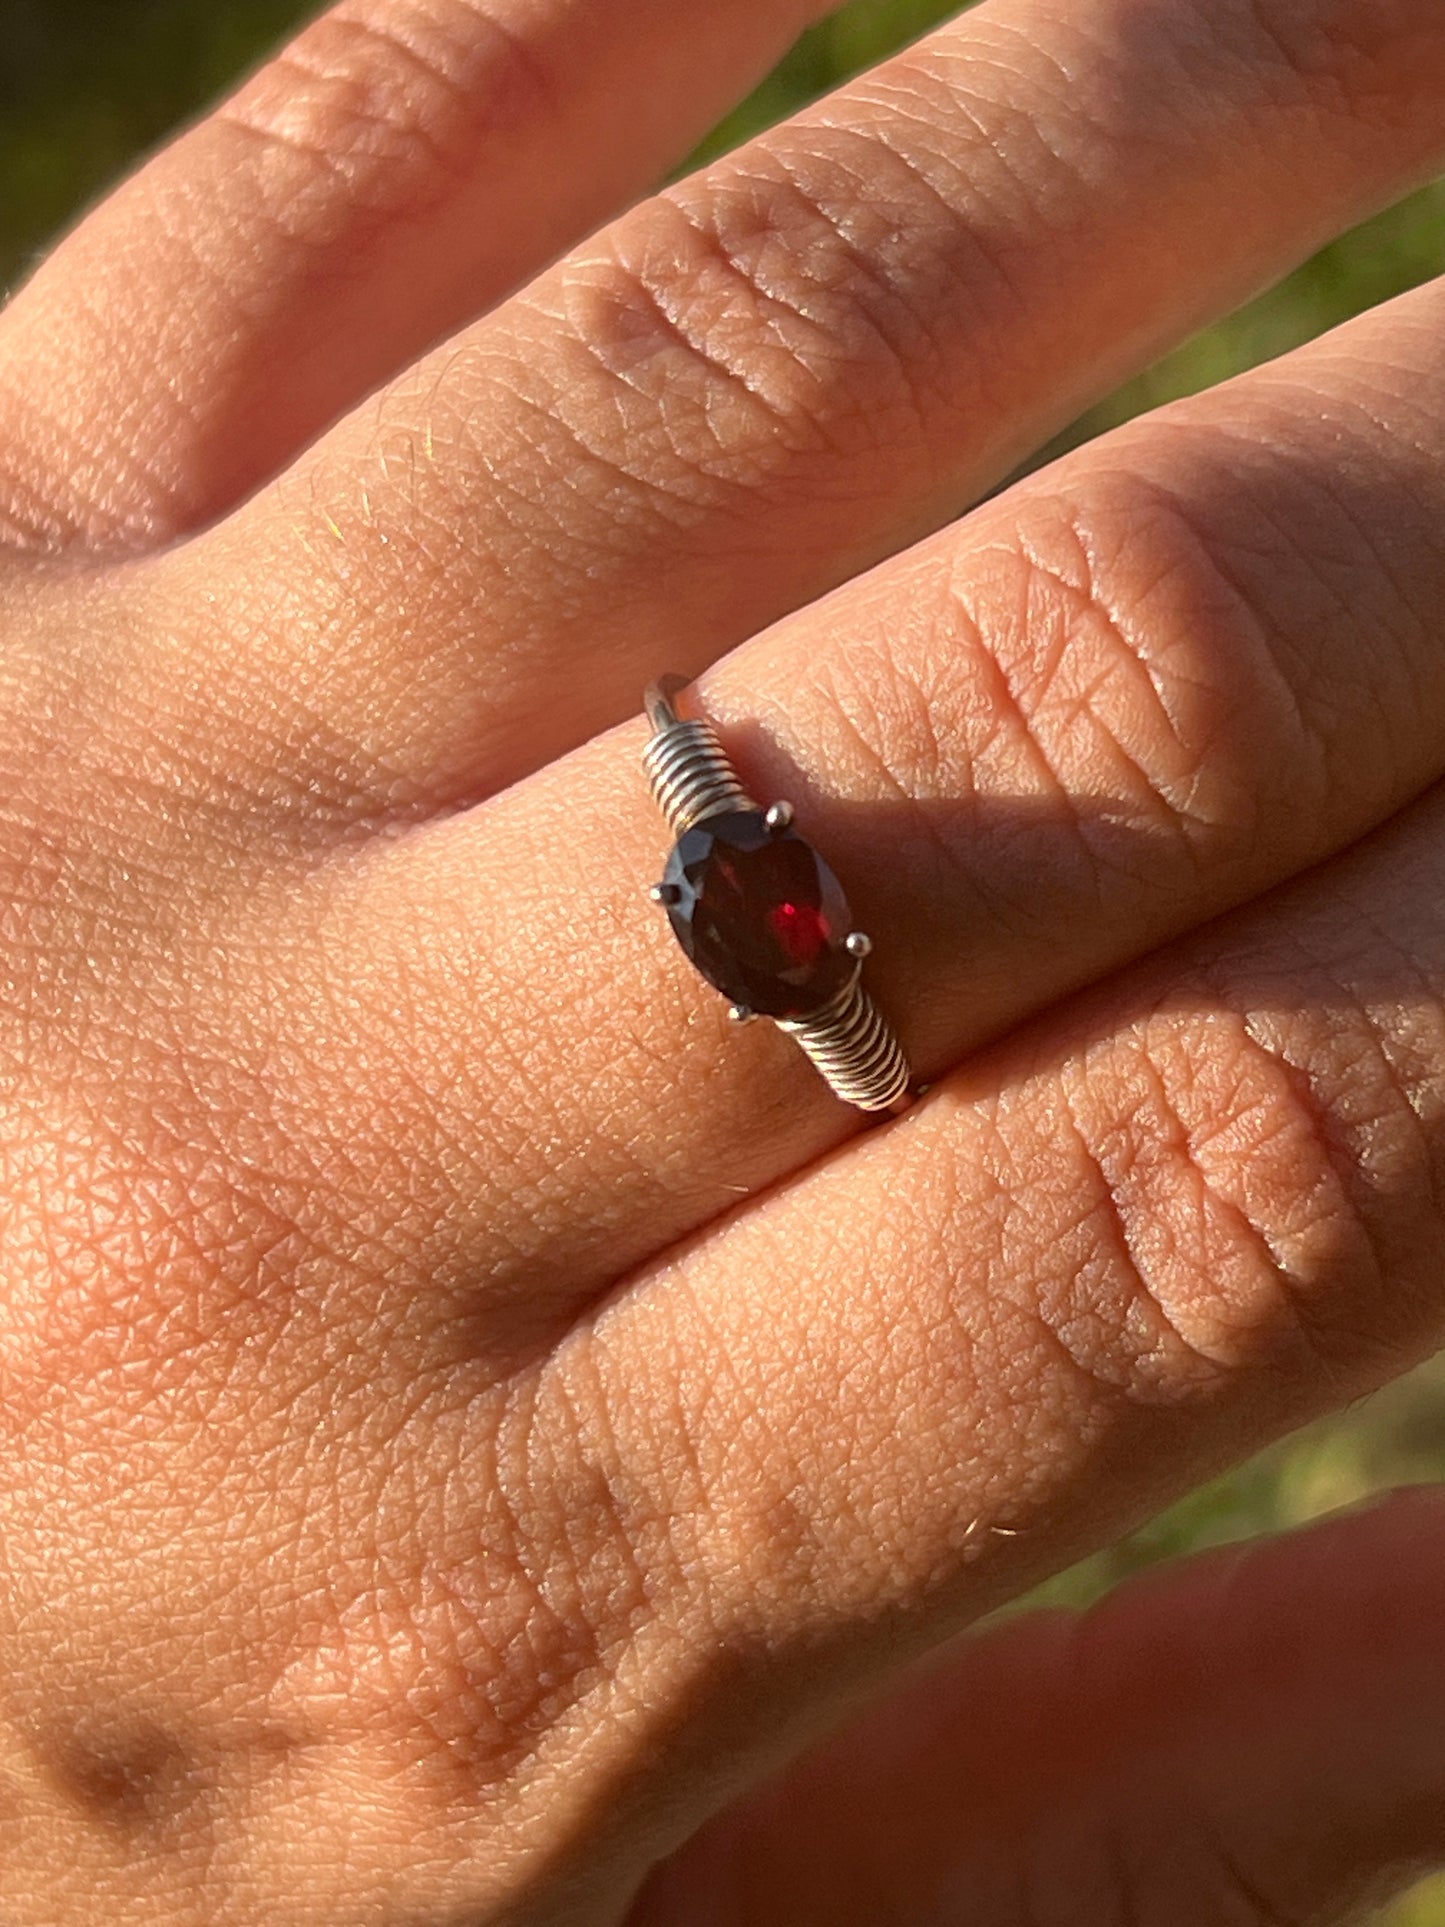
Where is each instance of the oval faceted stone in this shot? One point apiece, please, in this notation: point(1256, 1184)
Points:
point(762, 917)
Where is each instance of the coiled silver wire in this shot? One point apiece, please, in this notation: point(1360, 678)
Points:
point(849, 1041)
point(852, 1044)
point(691, 776)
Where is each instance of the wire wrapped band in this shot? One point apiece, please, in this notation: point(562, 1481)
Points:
point(853, 1045)
point(691, 777)
point(848, 1039)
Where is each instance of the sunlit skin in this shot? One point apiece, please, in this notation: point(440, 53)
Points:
point(486, 1438)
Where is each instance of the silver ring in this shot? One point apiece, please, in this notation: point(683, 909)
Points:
point(761, 916)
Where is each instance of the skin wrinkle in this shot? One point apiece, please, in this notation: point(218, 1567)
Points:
point(743, 457)
point(1138, 1366)
point(1270, 25)
point(1061, 647)
point(1414, 625)
point(1223, 1141)
point(38, 526)
point(914, 363)
point(1007, 691)
point(1129, 626)
point(395, 117)
point(640, 297)
point(386, 89)
point(1222, 1193)
point(856, 708)
point(676, 490)
point(1244, 615)
point(497, 90)
point(1011, 118)
point(1007, 721)
point(1338, 1154)
point(1335, 1135)
point(1410, 1068)
point(581, 450)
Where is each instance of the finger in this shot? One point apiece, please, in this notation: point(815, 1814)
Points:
point(395, 171)
point(1098, 1265)
point(766, 378)
point(1183, 664)
point(1255, 1735)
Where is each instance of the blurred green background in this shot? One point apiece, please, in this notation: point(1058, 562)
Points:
point(85, 85)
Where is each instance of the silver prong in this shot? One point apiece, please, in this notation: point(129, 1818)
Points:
point(858, 944)
point(740, 1014)
point(664, 893)
point(778, 818)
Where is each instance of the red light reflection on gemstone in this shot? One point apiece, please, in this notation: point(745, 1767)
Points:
point(801, 929)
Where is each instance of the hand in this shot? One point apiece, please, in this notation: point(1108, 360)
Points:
point(470, 1414)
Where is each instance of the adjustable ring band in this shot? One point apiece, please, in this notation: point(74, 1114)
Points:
point(760, 914)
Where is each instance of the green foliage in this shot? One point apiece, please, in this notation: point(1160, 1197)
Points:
point(85, 85)
point(849, 40)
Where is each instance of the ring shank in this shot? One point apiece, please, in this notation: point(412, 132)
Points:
point(853, 1047)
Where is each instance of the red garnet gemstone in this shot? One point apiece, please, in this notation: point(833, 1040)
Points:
point(762, 916)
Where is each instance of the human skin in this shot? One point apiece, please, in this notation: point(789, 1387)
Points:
point(484, 1439)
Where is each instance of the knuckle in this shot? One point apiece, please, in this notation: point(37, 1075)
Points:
point(1081, 670)
point(1226, 1164)
point(773, 308)
point(526, 1601)
point(1171, 648)
point(1127, 654)
point(394, 114)
point(1279, 553)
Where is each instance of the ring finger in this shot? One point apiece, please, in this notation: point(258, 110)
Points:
point(1128, 694)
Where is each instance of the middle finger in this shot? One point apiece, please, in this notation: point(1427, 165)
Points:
point(758, 383)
